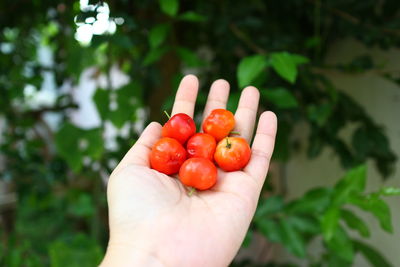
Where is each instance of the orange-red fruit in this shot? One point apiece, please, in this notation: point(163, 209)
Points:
point(167, 156)
point(232, 153)
point(219, 123)
point(201, 145)
point(180, 127)
point(199, 173)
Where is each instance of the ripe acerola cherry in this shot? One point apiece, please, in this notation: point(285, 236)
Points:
point(180, 127)
point(219, 123)
point(167, 156)
point(232, 153)
point(199, 173)
point(201, 145)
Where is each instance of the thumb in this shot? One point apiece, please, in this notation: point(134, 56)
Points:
point(139, 153)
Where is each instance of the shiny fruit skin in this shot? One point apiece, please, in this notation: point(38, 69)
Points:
point(167, 156)
point(232, 153)
point(201, 145)
point(180, 127)
point(219, 123)
point(199, 173)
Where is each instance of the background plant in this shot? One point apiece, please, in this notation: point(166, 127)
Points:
point(56, 167)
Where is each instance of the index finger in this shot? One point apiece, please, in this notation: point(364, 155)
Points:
point(186, 95)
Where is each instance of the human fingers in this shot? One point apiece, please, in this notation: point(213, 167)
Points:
point(139, 153)
point(217, 97)
point(247, 185)
point(186, 95)
point(245, 115)
point(262, 148)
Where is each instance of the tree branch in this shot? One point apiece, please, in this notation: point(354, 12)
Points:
point(38, 112)
point(245, 39)
point(352, 19)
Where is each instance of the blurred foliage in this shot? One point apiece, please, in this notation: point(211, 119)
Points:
point(56, 166)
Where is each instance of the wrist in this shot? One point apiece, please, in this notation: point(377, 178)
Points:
point(121, 255)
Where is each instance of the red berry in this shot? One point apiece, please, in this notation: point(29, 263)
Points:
point(201, 145)
point(219, 123)
point(167, 156)
point(199, 173)
point(232, 153)
point(180, 127)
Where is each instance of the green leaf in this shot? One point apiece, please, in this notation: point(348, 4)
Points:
point(78, 58)
point(14, 257)
point(341, 245)
point(67, 145)
point(95, 145)
point(192, 17)
point(334, 261)
point(362, 142)
point(269, 206)
point(319, 113)
point(314, 201)
point(189, 57)
point(330, 222)
point(119, 117)
point(283, 231)
point(78, 251)
point(169, 7)
point(281, 97)
point(81, 204)
point(376, 207)
point(158, 34)
point(271, 229)
point(102, 101)
point(316, 143)
point(389, 191)
point(299, 59)
point(233, 101)
point(131, 93)
point(121, 40)
point(127, 104)
point(249, 68)
point(292, 239)
point(282, 149)
point(355, 222)
point(128, 99)
point(371, 254)
point(154, 55)
point(285, 65)
point(305, 224)
point(352, 182)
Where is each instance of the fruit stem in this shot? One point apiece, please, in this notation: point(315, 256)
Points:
point(192, 190)
point(228, 145)
point(166, 113)
point(235, 132)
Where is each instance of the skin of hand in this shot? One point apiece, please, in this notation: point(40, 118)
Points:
point(153, 221)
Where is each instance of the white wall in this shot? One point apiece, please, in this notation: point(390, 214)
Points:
point(381, 100)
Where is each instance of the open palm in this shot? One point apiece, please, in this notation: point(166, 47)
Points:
point(153, 221)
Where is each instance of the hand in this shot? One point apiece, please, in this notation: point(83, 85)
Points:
point(153, 221)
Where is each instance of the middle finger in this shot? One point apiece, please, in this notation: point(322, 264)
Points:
point(217, 97)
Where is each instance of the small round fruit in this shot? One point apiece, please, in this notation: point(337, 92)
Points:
point(180, 127)
point(232, 153)
point(219, 123)
point(199, 173)
point(167, 156)
point(201, 145)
